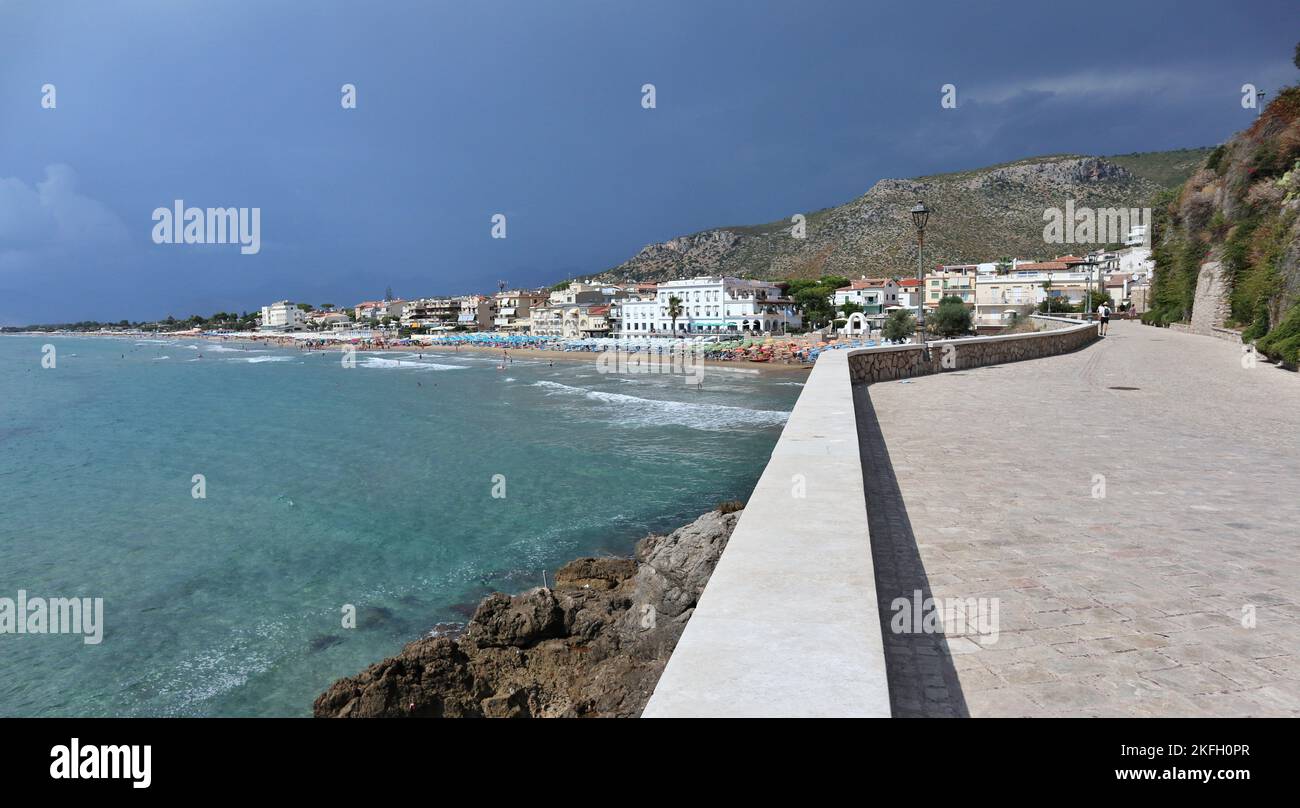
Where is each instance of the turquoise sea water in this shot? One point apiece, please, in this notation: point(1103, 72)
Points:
point(325, 486)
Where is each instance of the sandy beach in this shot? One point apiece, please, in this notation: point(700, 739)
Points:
point(774, 366)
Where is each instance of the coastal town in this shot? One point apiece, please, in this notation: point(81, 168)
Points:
point(730, 315)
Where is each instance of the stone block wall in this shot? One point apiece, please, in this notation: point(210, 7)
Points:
point(870, 365)
point(1210, 306)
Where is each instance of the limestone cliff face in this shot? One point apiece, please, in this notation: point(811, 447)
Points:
point(978, 215)
point(593, 645)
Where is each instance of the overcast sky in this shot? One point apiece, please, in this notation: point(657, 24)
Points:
point(534, 110)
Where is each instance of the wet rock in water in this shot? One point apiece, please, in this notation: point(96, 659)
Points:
point(594, 644)
point(373, 617)
point(322, 641)
point(465, 610)
point(452, 630)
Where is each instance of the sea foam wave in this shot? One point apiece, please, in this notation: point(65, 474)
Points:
point(219, 348)
point(637, 411)
point(407, 364)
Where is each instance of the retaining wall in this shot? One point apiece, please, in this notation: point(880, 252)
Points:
point(1060, 336)
point(789, 624)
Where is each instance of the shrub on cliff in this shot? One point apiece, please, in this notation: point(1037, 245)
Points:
point(1257, 328)
point(1282, 342)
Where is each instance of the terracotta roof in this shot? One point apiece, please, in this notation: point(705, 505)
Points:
point(868, 283)
point(1041, 265)
point(909, 282)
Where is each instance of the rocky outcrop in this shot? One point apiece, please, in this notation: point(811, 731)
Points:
point(594, 644)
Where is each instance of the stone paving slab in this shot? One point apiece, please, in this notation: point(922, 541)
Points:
point(1132, 601)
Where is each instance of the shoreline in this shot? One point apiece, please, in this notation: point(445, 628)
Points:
point(592, 644)
point(773, 367)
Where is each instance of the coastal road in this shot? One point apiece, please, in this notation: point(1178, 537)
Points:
point(1132, 509)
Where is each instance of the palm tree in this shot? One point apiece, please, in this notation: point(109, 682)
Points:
point(674, 310)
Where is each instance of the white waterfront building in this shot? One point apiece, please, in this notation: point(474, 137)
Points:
point(711, 305)
point(283, 316)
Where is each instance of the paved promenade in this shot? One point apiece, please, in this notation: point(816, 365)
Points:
point(1143, 545)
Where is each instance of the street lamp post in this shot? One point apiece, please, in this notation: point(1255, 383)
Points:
point(920, 215)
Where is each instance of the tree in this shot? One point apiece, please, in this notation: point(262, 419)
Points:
point(899, 325)
point(675, 309)
point(851, 307)
point(815, 303)
point(1097, 299)
point(952, 319)
point(797, 285)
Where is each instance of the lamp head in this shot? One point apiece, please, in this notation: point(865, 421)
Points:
point(920, 214)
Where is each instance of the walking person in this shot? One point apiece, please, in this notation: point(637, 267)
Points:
point(1103, 311)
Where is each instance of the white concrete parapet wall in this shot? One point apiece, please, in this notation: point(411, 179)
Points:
point(788, 624)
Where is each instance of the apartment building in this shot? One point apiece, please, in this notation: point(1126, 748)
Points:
point(873, 295)
point(476, 313)
point(909, 293)
point(578, 310)
point(379, 309)
point(1027, 284)
point(711, 305)
point(431, 313)
point(955, 280)
point(283, 315)
point(514, 308)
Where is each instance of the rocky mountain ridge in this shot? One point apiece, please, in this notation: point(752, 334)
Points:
point(978, 215)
